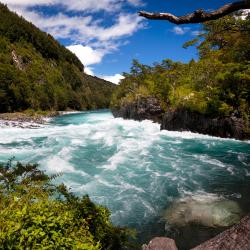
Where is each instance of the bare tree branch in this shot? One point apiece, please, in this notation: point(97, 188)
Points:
point(199, 16)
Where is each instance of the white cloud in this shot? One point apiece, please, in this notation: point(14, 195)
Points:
point(28, 2)
point(78, 5)
point(125, 25)
point(84, 29)
point(86, 54)
point(196, 32)
point(136, 2)
point(180, 31)
point(114, 79)
point(89, 71)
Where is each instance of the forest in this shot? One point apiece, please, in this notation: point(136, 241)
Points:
point(215, 85)
point(38, 73)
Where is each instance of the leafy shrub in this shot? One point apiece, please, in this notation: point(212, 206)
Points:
point(36, 214)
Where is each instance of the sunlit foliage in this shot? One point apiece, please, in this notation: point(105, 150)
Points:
point(37, 214)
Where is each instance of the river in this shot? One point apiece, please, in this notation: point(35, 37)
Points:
point(134, 169)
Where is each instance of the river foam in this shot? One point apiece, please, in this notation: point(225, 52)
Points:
point(132, 167)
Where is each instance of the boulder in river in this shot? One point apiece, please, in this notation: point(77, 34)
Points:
point(160, 243)
point(207, 210)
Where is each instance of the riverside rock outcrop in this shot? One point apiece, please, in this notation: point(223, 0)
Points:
point(143, 108)
point(235, 238)
point(182, 119)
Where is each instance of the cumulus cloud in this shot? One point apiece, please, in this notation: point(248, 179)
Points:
point(114, 79)
point(89, 71)
point(78, 5)
point(86, 54)
point(28, 2)
point(84, 28)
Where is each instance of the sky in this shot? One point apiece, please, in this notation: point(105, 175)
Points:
point(107, 35)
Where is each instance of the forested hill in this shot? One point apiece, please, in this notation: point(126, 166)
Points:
point(36, 72)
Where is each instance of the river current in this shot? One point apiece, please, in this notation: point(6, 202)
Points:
point(134, 169)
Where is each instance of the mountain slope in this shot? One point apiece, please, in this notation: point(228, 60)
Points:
point(36, 72)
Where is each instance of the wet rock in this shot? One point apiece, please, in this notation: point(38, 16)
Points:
point(206, 210)
point(24, 120)
point(160, 243)
point(144, 108)
point(183, 120)
point(235, 238)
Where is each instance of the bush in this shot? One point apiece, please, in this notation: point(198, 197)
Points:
point(36, 214)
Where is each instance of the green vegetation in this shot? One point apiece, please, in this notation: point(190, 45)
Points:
point(36, 214)
point(217, 85)
point(38, 73)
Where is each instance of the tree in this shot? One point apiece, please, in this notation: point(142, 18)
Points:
point(216, 85)
point(198, 16)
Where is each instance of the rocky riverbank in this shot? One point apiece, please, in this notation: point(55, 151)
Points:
point(237, 237)
point(142, 109)
point(26, 119)
point(183, 120)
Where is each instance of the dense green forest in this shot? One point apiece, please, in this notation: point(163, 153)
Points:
point(37, 214)
point(36, 72)
point(216, 85)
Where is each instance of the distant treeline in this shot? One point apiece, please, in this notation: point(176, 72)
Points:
point(36, 72)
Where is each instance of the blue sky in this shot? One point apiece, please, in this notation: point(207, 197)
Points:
point(107, 34)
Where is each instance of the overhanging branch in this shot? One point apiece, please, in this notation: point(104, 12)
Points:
point(199, 16)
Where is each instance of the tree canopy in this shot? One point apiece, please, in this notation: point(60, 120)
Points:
point(216, 85)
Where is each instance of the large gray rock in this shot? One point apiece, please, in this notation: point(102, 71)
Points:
point(207, 210)
point(141, 109)
point(235, 238)
point(184, 120)
point(160, 243)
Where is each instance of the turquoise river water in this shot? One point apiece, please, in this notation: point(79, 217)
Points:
point(135, 169)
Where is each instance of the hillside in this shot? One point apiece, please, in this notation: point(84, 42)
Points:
point(210, 95)
point(36, 72)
